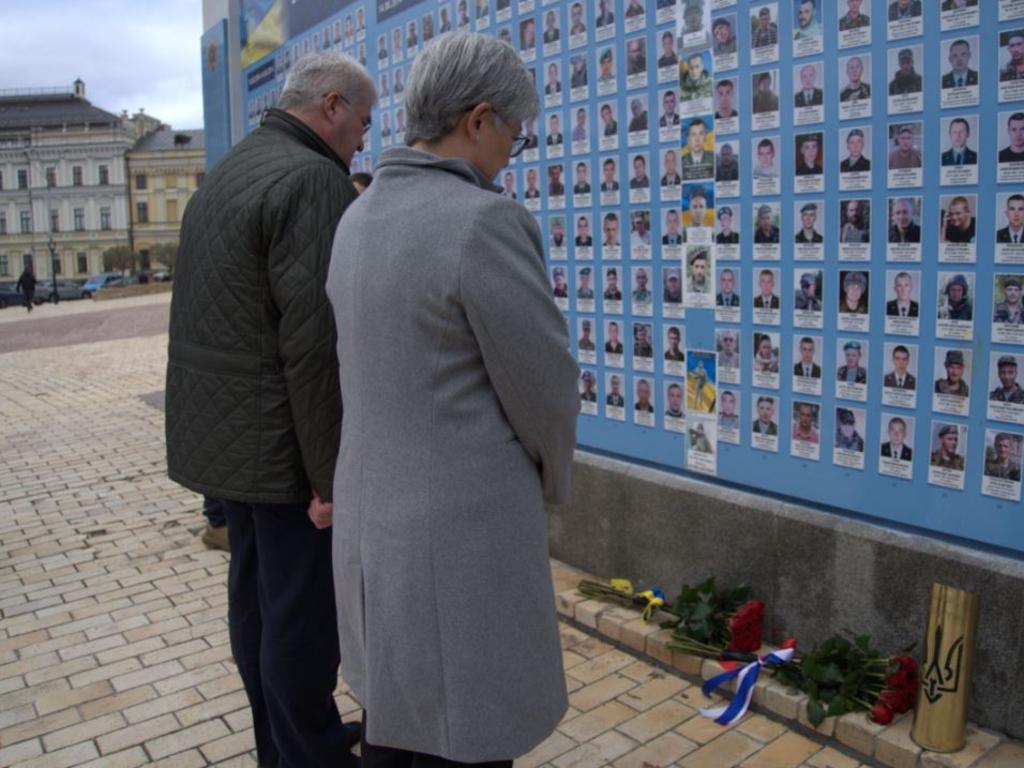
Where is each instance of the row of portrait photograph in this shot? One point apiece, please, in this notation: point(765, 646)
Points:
point(621, 397)
point(847, 296)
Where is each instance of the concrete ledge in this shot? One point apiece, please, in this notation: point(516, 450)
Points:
point(818, 572)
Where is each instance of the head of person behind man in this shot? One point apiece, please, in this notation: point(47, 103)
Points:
point(332, 94)
point(466, 97)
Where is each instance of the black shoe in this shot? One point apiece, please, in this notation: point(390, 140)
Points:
point(352, 733)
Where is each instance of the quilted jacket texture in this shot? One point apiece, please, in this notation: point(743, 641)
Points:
point(253, 403)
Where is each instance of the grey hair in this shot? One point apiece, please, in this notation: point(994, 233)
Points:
point(320, 73)
point(459, 70)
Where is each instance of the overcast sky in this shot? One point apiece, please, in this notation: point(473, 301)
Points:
point(130, 53)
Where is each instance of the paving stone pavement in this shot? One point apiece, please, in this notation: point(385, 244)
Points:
point(113, 635)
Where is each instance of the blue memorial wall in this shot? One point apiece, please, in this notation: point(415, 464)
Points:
point(810, 215)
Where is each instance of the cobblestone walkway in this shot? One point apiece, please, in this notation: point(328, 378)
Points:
point(113, 638)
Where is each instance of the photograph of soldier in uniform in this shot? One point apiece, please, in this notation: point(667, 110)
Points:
point(528, 37)
point(728, 348)
point(723, 30)
point(556, 187)
point(856, 161)
point(808, 27)
point(808, 233)
point(807, 367)
point(765, 424)
point(1008, 308)
point(695, 82)
point(668, 56)
point(701, 388)
point(583, 237)
point(611, 283)
point(766, 353)
point(674, 398)
point(904, 150)
point(639, 182)
point(673, 351)
point(614, 397)
point(858, 80)
point(764, 98)
point(641, 293)
point(955, 296)
point(1013, 152)
point(636, 57)
point(957, 223)
point(509, 185)
point(1013, 232)
point(642, 345)
point(767, 168)
point(896, 446)
point(669, 110)
point(851, 17)
point(727, 166)
point(612, 344)
point(725, 92)
point(904, 79)
point(584, 289)
point(673, 235)
point(643, 402)
point(699, 440)
point(582, 184)
point(953, 382)
point(902, 305)
point(900, 376)
point(809, 94)
point(638, 114)
point(853, 297)
point(805, 423)
point(960, 75)
point(855, 221)
point(609, 183)
point(1003, 455)
point(695, 31)
point(726, 235)
point(764, 33)
point(670, 175)
point(606, 71)
point(946, 448)
point(766, 298)
point(904, 212)
point(904, 18)
point(852, 372)
point(578, 73)
point(728, 291)
point(809, 165)
point(848, 437)
point(604, 16)
point(1011, 65)
point(698, 158)
point(698, 280)
point(1009, 390)
point(807, 296)
point(588, 394)
point(728, 417)
point(559, 287)
point(695, 205)
point(640, 234)
point(586, 343)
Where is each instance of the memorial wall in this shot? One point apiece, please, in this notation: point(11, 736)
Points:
point(787, 236)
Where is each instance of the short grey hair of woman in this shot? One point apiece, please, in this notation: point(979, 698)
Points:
point(318, 74)
point(459, 70)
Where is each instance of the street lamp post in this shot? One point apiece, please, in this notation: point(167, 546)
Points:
point(53, 267)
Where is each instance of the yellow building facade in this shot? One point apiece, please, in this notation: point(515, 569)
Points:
point(165, 168)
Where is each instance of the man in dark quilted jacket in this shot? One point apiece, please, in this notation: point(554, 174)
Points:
point(253, 404)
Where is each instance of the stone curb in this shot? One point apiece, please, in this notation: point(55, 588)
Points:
point(853, 733)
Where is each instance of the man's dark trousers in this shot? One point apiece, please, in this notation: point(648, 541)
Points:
point(284, 634)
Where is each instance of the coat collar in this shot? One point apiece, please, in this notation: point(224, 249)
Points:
point(407, 156)
point(287, 123)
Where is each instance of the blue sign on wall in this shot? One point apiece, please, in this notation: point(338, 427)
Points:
point(216, 98)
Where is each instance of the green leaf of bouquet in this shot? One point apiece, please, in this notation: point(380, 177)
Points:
point(815, 712)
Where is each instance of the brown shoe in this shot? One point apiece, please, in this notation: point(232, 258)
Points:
point(216, 538)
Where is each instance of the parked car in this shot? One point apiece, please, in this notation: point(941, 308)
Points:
point(66, 289)
point(97, 283)
point(10, 296)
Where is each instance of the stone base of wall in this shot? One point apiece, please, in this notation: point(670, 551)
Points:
point(818, 572)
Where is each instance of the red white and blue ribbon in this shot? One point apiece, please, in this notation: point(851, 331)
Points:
point(747, 677)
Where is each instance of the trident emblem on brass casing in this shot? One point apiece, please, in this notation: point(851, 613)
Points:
point(939, 678)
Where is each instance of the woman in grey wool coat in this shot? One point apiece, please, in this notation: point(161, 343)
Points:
point(460, 408)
